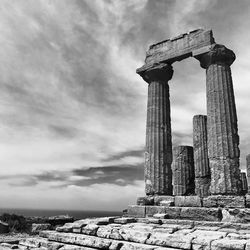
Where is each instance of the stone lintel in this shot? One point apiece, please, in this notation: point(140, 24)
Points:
point(227, 201)
point(177, 48)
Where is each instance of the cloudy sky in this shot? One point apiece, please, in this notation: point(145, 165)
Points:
point(73, 110)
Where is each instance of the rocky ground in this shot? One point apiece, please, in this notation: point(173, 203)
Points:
point(126, 233)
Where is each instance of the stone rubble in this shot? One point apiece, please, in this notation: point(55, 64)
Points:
point(126, 234)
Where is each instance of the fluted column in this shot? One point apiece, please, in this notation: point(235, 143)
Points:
point(201, 163)
point(243, 178)
point(183, 170)
point(158, 154)
point(223, 139)
point(248, 171)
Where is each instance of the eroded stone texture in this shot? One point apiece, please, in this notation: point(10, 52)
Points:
point(243, 178)
point(224, 201)
point(163, 199)
point(223, 139)
point(183, 170)
point(188, 201)
point(158, 155)
point(146, 200)
point(248, 171)
point(201, 163)
point(177, 48)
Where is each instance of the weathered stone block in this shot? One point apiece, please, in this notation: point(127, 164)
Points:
point(104, 231)
point(30, 242)
point(224, 201)
point(158, 199)
point(136, 211)
point(247, 199)
point(236, 215)
point(124, 220)
point(91, 241)
point(227, 243)
point(177, 48)
point(172, 212)
point(145, 201)
point(90, 229)
point(188, 201)
point(201, 213)
point(175, 240)
point(135, 235)
point(167, 203)
point(203, 238)
point(36, 228)
point(160, 216)
point(151, 210)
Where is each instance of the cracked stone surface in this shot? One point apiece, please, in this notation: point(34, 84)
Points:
point(201, 162)
point(183, 170)
point(222, 128)
point(158, 154)
point(166, 234)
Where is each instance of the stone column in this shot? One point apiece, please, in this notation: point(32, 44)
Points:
point(243, 178)
point(158, 155)
point(248, 171)
point(223, 139)
point(183, 170)
point(201, 163)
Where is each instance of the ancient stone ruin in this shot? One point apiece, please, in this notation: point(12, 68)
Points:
point(216, 137)
point(196, 197)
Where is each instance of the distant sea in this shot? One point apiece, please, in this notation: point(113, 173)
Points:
point(81, 214)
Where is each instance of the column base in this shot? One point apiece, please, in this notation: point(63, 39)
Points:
point(227, 201)
point(157, 200)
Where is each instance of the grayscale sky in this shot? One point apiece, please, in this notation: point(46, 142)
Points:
point(73, 110)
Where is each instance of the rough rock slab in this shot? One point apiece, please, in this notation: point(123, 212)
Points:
point(145, 201)
point(173, 212)
point(247, 196)
point(201, 213)
point(188, 201)
point(151, 210)
point(136, 211)
point(177, 48)
point(163, 199)
point(36, 228)
point(236, 215)
point(229, 201)
point(226, 243)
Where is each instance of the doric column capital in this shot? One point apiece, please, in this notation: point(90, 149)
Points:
point(160, 72)
point(218, 54)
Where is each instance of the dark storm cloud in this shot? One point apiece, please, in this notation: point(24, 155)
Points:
point(131, 153)
point(121, 175)
point(51, 176)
